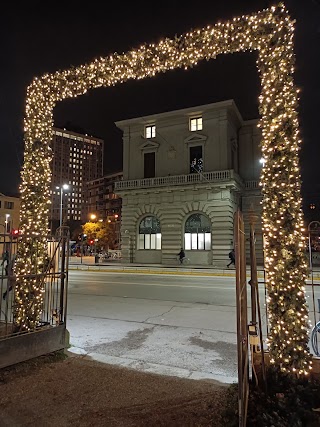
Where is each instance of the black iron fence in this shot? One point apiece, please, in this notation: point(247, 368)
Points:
point(53, 282)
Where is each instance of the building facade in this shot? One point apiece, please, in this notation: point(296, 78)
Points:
point(185, 173)
point(77, 159)
point(9, 213)
point(102, 203)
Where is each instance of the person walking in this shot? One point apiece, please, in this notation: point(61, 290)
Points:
point(11, 279)
point(5, 259)
point(181, 255)
point(232, 258)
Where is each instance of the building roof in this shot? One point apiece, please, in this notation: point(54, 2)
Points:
point(228, 104)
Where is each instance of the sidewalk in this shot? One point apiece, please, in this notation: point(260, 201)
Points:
point(116, 266)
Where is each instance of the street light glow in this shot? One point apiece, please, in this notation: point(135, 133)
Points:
point(63, 187)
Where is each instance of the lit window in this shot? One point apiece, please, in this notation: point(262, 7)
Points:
point(196, 124)
point(150, 131)
point(149, 233)
point(197, 233)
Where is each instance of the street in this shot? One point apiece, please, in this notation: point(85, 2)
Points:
point(169, 324)
point(175, 325)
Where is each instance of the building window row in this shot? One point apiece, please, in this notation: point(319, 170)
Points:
point(149, 233)
point(195, 124)
point(197, 233)
point(8, 205)
point(195, 161)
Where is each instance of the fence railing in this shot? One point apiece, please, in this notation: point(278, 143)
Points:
point(53, 282)
point(252, 185)
point(211, 177)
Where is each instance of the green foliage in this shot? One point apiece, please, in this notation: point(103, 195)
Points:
point(231, 412)
point(288, 402)
point(102, 231)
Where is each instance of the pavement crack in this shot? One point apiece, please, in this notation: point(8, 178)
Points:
point(159, 315)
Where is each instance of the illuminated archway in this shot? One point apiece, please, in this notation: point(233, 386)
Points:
point(270, 32)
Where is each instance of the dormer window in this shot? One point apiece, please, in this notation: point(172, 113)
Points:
point(150, 131)
point(195, 124)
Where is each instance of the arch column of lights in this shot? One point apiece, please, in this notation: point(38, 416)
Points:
point(269, 32)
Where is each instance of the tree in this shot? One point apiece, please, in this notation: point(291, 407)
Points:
point(102, 231)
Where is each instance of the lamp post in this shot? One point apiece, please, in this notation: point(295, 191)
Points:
point(7, 223)
point(63, 187)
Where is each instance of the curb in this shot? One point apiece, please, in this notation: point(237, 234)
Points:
point(146, 270)
point(165, 271)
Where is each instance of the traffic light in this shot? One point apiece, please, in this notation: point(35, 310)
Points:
point(91, 241)
point(15, 232)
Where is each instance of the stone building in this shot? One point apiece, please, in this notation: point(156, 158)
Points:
point(185, 173)
point(9, 213)
point(103, 204)
point(77, 159)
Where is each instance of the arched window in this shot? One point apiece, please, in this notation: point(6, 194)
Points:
point(197, 233)
point(149, 233)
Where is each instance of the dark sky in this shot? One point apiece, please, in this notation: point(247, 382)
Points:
point(35, 41)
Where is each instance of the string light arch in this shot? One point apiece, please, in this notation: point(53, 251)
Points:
point(270, 32)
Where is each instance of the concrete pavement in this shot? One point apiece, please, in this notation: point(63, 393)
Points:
point(190, 340)
point(116, 266)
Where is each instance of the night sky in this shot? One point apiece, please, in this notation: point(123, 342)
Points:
point(36, 41)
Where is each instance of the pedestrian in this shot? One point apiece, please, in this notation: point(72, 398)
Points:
point(232, 258)
point(11, 279)
point(181, 255)
point(5, 259)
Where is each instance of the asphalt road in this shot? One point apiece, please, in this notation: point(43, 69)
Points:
point(193, 289)
point(168, 324)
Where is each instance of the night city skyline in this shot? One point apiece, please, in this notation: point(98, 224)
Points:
point(39, 44)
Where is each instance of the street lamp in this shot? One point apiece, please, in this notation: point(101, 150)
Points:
point(63, 187)
point(93, 217)
point(7, 222)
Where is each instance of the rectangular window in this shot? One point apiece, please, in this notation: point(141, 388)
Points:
point(149, 165)
point(201, 241)
point(196, 162)
point(147, 241)
point(187, 241)
point(141, 241)
point(194, 241)
point(195, 124)
point(197, 241)
point(158, 241)
point(207, 239)
point(150, 131)
point(8, 205)
point(153, 241)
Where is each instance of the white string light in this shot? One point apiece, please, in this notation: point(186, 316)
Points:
point(270, 32)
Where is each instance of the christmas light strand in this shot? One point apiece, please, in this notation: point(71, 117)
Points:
point(270, 32)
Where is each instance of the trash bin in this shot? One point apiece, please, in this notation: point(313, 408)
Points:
point(96, 259)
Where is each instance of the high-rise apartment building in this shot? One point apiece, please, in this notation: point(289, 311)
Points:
point(77, 159)
point(102, 204)
point(101, 199)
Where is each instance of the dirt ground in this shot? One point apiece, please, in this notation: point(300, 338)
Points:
point(84, 393)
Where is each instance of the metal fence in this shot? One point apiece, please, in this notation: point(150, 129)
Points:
point(53, 282)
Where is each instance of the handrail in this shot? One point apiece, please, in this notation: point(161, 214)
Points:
point(162, 181)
